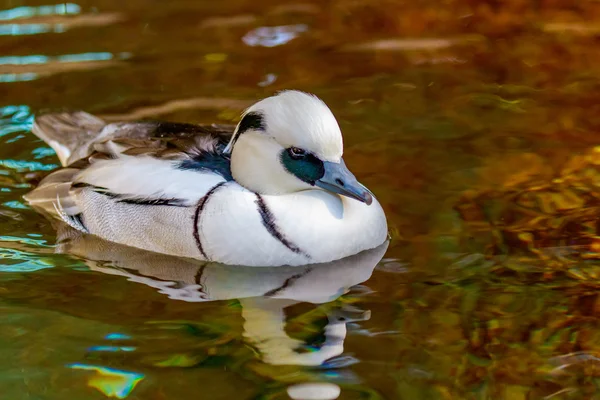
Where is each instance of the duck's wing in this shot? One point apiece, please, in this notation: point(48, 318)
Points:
point(138, 163)
point(78, 135)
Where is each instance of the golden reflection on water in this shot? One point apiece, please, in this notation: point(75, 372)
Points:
point(470, 120)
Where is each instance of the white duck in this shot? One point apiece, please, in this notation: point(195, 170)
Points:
point(273, 191)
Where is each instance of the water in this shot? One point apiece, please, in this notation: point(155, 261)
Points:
point(474, 123)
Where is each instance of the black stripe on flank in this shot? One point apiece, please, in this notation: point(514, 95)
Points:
point(173, 202)
point(268, 220)
point(155, 202)
point(201, 204)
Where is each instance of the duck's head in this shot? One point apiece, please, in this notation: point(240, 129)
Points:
point(288, 143)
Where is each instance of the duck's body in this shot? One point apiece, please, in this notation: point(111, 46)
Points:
point(170, 188)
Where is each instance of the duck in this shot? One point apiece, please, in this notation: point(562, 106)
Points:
point(272, 190)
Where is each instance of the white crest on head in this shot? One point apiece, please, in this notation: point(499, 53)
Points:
point(299, 119)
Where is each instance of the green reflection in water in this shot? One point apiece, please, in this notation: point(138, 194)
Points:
point(111, 382)
point(25, 12)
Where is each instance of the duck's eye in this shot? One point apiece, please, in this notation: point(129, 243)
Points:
point(296, 153)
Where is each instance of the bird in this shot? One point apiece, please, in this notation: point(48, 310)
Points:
point(272, 190)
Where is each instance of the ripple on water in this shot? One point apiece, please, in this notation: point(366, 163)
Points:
point(12, 260)
point(271, 36)
point(26, 12)
point(110, 381)
point(52, 19)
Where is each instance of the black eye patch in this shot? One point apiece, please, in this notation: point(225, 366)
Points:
point(308, 168)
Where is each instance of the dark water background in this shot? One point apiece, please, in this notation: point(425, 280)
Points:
point(438, 101)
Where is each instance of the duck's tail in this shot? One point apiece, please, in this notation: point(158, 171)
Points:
point(53, 197)
point(71, 135)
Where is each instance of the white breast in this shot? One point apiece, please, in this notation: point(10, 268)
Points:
point(312, 226)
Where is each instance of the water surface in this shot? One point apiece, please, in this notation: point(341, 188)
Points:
point(474, 123)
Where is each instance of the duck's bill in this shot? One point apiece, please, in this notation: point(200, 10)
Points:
point(338, 179)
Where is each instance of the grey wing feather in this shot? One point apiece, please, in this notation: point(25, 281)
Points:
point(71, 135)
point(78, 135)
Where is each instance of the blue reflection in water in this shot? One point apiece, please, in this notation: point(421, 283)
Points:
point(24, 240)
point(41, 59)
point(15, 112)
point(112, 349)
point(25, 166)
point(29, 263)
point(15, 204)
point(15, 118)
point(24, 60)
point(30, 29)
point(42, 152)
point(88, 57)
point(29, 76)
point(14, 139)
point(110, 381)
point(271, 36)
point(24, 12)
point(117, 336)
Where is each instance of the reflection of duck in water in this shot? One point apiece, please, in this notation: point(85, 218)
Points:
point(264, 294)
point(273, 191)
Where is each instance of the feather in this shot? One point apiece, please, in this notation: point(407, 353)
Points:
point(70, 135)
point(146, 179)
point(136, 162)
point(72, 220)
point(55, 186)
point(78, 135)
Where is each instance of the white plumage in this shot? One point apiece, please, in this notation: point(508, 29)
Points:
point(267, 196)
point(302, 120)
